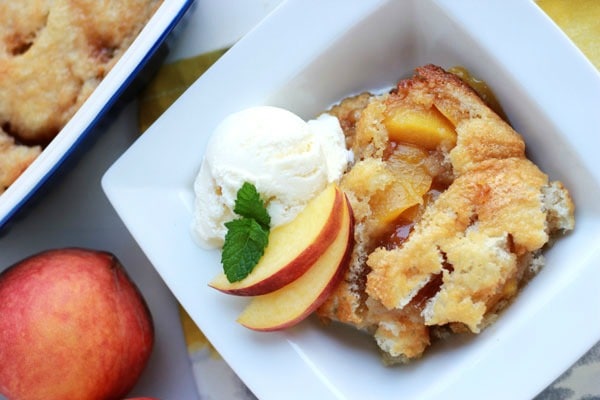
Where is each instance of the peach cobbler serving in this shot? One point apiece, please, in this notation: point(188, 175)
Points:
point(410, 215)
point(450, 215)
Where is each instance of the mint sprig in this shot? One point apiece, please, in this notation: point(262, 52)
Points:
point(249, 204)
point(248, 236)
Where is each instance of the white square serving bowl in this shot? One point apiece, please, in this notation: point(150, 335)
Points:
point(308, 55)
point(142, 54)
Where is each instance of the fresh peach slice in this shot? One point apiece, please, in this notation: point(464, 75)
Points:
point(424, 127)
point(293, 303)
point(292, 247)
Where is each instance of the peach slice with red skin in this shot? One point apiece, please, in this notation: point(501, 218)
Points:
point(291, 304)
point(292, 247)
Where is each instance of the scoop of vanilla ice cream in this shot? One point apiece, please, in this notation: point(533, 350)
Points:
point(288, 160)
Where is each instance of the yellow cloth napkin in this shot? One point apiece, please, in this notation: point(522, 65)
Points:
point(580, 20)
point(169, 83)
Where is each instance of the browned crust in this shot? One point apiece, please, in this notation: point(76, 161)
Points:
point(14, 159)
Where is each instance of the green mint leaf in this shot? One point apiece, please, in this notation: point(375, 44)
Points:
point(245, 244)
point(249, 204)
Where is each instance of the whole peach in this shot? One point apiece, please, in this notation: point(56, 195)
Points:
point(72, 326)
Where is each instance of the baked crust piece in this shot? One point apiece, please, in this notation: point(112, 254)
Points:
point(14, 159)
point(53, 54)
point(472, 240)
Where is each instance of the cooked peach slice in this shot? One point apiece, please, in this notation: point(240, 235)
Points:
point(409, 181)
point(424, 127)
point(292, 247)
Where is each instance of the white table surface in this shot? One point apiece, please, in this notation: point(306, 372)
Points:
point(74, 211)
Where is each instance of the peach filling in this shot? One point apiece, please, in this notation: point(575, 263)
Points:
point(425, 127)
point(417, 137)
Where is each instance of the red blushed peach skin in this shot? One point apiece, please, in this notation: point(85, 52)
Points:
point(296, 301)
point(72, 326)
point(292, 247)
